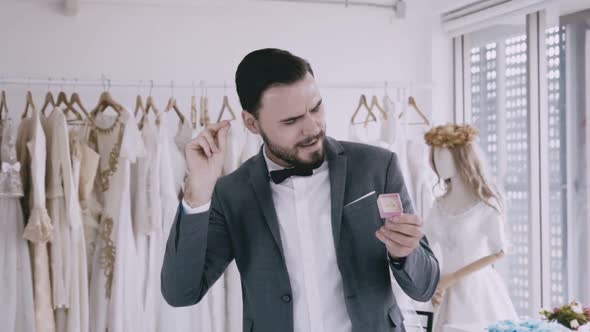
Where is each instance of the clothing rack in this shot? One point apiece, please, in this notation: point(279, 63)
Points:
point(395, 6)
point(107, 83)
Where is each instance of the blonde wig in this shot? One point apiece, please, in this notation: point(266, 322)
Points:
point(461, 142)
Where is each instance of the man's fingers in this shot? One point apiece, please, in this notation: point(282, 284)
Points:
point(386, 240)
point(214, 127)
point(212, 143)
point(406, 219)
point(407, 229)
point(204, 145)
point(399, 239)
point(222, 137)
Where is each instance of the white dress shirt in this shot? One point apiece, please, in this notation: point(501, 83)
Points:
point(303, 209)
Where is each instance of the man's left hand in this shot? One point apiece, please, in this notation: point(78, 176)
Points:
point(401, 234)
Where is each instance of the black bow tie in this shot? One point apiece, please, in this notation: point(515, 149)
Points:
point(282, 175)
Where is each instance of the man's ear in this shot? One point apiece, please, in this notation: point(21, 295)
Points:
point(250, 122)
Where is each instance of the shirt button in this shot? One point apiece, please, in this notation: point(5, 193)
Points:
point(286, 298)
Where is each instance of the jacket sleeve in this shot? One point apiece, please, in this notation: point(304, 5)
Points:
point(198, 251)
point(418, 274)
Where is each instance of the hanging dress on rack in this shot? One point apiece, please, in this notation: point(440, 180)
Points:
point(82, 157)
point(367, 133)
point(251, 147)
point(16, 289)
point(31, 150)
point(147, 221)
point(115, 293)
point(232, 280)
point(174, 136)
point(67, 250)
point(394, 137)
point(422, 177)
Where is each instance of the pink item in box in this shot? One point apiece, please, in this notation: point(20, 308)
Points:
point(390, 205)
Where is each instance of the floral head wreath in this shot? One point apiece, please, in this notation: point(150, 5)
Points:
point(451, 135)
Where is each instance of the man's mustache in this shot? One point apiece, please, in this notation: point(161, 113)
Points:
point(311, 139)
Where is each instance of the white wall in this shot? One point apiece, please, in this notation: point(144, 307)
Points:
point(205, 40)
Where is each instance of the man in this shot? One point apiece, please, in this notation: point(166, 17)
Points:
point(300, 218)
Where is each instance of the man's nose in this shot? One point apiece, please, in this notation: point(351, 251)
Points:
point(310, 127)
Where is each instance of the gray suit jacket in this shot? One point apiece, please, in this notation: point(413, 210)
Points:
point(242, 225)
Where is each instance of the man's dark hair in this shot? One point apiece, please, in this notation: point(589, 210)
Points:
point(263, 69)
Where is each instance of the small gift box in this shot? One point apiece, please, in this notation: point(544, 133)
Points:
point(390, 205)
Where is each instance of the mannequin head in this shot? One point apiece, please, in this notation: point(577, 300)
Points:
point(454, 156)
point(443, 163)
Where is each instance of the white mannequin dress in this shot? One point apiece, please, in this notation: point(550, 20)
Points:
point(463, 238)
point(16, 286)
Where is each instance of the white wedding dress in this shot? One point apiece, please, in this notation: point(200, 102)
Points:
point(174, 136)
point(16, 288)
point(115, 290)
point(463, 238)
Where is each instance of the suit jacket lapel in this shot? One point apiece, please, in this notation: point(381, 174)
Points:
point(337, 166)
point(260, 181)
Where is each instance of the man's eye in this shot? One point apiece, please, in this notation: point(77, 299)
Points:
point(290, 122)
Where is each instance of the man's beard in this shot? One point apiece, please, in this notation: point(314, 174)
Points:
point(289, 156)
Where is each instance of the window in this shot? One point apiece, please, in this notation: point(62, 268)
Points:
point(536, 137)
point(498, 92)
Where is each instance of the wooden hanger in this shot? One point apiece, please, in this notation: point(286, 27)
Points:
point(375, 104)
point(194, 111)
point(3, 106)
point(412, 102)
point(75, 100)
point(370, 115)
point(173, 106)
point(226, 106)
point(62, 98)
point(49, 101)
point(139, 106)
point(149, 105)
point(105, 101)
point(205, 119)
point(29, 104)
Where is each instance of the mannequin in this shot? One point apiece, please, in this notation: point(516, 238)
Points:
point(467, 223)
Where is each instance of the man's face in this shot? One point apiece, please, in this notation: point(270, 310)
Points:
point(292, 124)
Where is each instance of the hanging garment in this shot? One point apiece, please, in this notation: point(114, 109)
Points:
point(16, 288)
point(78, 313)
point(236, 137)
point(147, 222)
point(67, 250)
point(389, 133)
point(115, 293)
point(86, 159)
point(31, 150)
point(251, 147)
point(174, 136)
point(422, 178)
point(368, 133)
point(463, 238)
